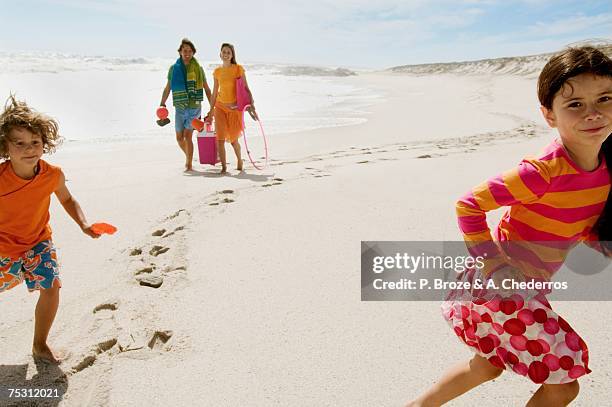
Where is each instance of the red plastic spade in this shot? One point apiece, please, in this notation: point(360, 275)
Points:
point(102, 228)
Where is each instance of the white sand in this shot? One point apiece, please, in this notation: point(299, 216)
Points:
point(262, 294)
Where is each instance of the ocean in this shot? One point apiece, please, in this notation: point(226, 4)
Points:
point(100, 99)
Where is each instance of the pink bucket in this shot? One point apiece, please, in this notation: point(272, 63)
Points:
point(207, 146)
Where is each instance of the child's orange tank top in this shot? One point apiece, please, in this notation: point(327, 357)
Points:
point(227, 82)
point(24, 208)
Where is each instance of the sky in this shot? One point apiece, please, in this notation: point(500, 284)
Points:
point(346, 33)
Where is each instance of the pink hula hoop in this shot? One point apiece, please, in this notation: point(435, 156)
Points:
point(246, 145)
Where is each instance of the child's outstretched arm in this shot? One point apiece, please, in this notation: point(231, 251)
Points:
point(72, 207)
point(522, 185)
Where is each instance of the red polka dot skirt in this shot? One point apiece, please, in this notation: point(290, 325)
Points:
point(519, 333)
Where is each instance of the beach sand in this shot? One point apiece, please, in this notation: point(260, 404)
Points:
point(260, 301)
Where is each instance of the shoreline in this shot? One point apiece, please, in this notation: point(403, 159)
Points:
point(111, 115)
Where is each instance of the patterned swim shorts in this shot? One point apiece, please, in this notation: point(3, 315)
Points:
point(38, 267)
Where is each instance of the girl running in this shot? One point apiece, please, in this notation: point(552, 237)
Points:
point(555, 202)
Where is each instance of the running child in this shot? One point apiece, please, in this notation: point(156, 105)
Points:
point(555, 202)
point(26, 184)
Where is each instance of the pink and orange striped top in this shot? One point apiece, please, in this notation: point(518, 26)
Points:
point(552, 201)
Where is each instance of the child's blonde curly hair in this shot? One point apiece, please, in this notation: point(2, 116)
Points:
point(18, 114)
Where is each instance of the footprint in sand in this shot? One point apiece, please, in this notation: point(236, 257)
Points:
point(318, 173)
point(362, 162)
point(150, 281)
point(224, 200)
point(136, 252)
point(93, 355)
point(111, 306)
point(177, 229)
point(145, 270)
point(159, 232)
point(177, 213)
point(106, 333)
point(157, 250)
point(159, 339)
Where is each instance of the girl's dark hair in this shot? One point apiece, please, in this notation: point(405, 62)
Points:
point(230, 46)
point(568, 64)
point(603, 228)
point(557, 71)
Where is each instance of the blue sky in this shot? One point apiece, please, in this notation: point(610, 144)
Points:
point(353, 33)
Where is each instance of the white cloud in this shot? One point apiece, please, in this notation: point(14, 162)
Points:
point(572, 24)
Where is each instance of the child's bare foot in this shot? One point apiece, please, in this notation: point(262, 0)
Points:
point(45, 353)
point(239, 166)
point(223, 170)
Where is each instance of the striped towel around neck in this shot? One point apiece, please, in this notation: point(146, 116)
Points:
point(187, 83)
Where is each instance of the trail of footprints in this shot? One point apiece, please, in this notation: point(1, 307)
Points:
point(112, 340)
point(161, 255)
point(422, 149)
